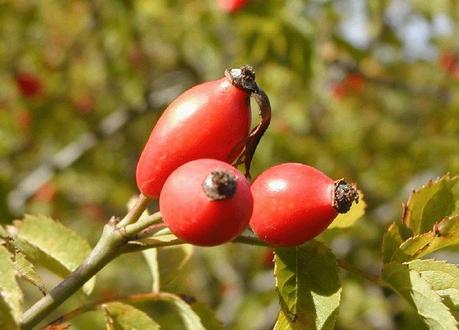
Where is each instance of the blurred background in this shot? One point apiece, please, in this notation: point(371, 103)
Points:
point(361, 89)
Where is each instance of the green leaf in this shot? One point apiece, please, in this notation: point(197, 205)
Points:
point(444, 234)
point(10, 291)
point(151, 257)
point(207, 316)
point(121, 316)
point(443, 278)
point(431, 203)
point(308, 286)
point(7, 319)
point(282, 322)
point(345, 220)
point(417, 291)
point(165, 263)
point(189, 317)
point(391, 242)
point(52, 245)
point(26, 270)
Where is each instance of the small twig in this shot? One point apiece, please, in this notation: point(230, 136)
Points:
point(135, 298)
point(358, 272)
point(108, 247)
point(134, 214)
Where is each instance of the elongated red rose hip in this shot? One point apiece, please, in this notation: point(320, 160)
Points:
point(210, 120)
point(294, 203)
point(206, 202)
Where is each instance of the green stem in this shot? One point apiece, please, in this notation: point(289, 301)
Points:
point(135, 298)
point(358, 272)
point(136, 211)
point(143, 223)
point(104, 251)
point(114, 237)
point(249, 239)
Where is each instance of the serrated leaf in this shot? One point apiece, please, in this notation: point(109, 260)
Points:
point(431, 203)
point(10, 291)
point(26, 270)
point(417, 291)
point(121, 316)
point(282, 322)
point(51, 244)
point(308, 286)
point(207, 316)
point(7, 319)
point(391, 242)
point(189, 317)
point(444, 234)
point(165, 263)
point(443, 278)
point(345, 220)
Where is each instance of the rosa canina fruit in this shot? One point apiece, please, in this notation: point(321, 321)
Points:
point(231, 6)
point(210, 120)
point(294, 203)
point(206, 202)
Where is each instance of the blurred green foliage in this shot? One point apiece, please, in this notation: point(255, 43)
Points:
point(382, 110)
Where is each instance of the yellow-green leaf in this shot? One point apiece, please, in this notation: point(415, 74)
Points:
point(419, 294)
point(391, 242)
point(165, 263)
point(7, 319)
point(191, 320)
point(51, 244)
point(444, 234)
point(433, 202)
point(121, 316)
point(26, 270)
point(443, 278)
point(308, 298)
point(10, 292)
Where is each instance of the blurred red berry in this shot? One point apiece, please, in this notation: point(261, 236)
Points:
point(449, 62)
point(231, 6)
point(354, 82)
point(93, 211)
point(46, 193)
point(84, 104)
point(339, 91)
point(24, 119)
point(29, 84)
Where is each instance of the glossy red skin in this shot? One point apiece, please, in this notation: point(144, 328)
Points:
point(292, 204)
point(196, 219)
point(29, 84)
point(231, 6)
point(210, 120)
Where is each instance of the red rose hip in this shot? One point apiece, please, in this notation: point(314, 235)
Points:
point(231, 6)
point(293, 203)
point(206, 202)
point(210, 120)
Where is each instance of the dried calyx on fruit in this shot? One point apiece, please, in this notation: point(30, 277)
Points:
point(344, 195)
point(245, 78)
point(206, 202)
point(219, 185)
